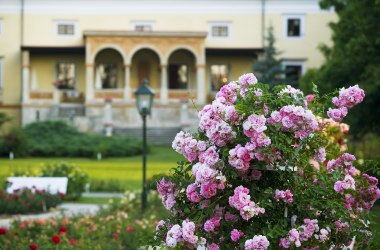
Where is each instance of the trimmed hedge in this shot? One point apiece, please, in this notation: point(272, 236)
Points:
point(58, 139)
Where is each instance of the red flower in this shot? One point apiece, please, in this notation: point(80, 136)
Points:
point(129, 229)
point(33, 247)
point(72, 241)
point(115, 236)
point(3, 230)
point(56, 239)
point(62, 230)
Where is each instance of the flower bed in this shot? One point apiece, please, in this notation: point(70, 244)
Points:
point(27, 201)
point(267, 171)
point(121, 226)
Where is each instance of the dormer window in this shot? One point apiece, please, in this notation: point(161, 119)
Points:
point(66, 28)
point(219, 29)
point(143, 26)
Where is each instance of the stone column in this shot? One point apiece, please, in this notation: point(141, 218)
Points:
point(25, 76)
point(164, 84)
point(108, 123)
point(127, 82)
point(201, 95)
point(89, 82)
point(56, 96)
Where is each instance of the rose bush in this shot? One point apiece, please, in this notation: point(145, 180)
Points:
point(28, 201)
point(265, 171)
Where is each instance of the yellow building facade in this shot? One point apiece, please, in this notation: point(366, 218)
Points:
point(68, 59)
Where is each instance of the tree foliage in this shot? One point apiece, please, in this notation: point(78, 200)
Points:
point(4, 118)
point(269, 69)
point(354, 58)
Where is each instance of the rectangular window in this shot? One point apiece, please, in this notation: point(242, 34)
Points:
point(219, 29)
point(143, 27)
point(218, 76)
point(65, 75)
point(293, 71)
point(178, 76)
point(294, 26)
point(66, 29)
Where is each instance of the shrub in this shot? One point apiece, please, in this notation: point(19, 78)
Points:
point(26, 201)
point(77, 179)
point(4, 118)
point(58, 139)
point(306, 82)
point(14, 141)
point(109, 185)
point(263, 172)
point(51, 138)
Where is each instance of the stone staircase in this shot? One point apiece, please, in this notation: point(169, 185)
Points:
point(156, 136)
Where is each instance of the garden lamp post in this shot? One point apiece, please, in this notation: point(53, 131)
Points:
point(144, 100)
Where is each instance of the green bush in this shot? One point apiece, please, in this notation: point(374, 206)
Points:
point(14, 141)
point(58, 139)
point(307, 80)
point(77, 179)
point(26, 201)
point(109, 185)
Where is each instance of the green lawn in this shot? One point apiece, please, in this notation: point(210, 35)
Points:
point(127, 171)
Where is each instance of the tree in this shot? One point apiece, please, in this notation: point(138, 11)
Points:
point(354, 58)
point(269, 69)
point(4, 118)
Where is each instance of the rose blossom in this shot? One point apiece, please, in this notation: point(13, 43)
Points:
point(349, 97)
point(56, 239)
point(248, 79)
point(337, 114)
point(236, 234)
point(258, 242)
point(192, 194)
point(213, 246)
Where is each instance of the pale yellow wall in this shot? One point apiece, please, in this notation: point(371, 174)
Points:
point(245, 30)
point(45, 68)
point(14, 113)
point(44, 26)
point(10, 54)
point(11, 57)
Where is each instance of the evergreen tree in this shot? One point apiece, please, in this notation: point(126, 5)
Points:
point(268, 69)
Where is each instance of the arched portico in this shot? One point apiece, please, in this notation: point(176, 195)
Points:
point(161, 48)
